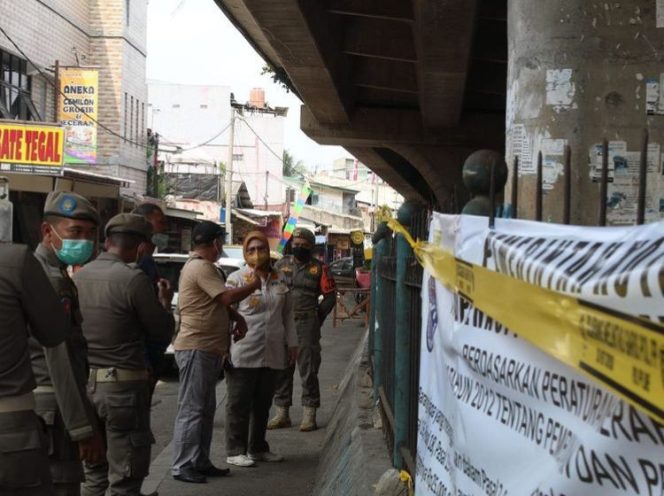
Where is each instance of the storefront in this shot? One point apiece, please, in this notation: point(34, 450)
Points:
point(31, 159)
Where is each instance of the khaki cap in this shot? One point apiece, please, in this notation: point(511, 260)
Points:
point(70, 205)
point(129, 224)
point(301, 232)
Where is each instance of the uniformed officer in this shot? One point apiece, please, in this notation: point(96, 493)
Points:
point(308, 279)
point(69, 231)
point(26, 298)
point(120, 313)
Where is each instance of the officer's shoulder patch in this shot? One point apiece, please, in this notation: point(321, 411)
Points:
point(314, 270)
point(67, 204)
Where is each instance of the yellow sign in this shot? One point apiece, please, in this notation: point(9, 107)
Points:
point(77, 113)
point(623, 353)
point(357, 237)
point(31, 147)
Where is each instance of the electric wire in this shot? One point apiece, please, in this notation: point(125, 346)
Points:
point(58, 91)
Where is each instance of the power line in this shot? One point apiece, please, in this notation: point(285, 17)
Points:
point(57, 90)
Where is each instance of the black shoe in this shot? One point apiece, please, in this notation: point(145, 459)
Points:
point(190, 476)
point(215, 472)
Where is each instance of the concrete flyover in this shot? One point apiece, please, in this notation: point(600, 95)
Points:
point(408, 87)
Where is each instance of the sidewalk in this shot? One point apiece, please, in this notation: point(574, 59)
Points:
point(294, 476)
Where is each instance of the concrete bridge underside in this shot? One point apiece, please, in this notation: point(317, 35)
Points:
point(408, 87)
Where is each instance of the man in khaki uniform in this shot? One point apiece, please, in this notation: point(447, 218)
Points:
point(26, 298)
point(120, 313)
point(69, 231)
point(201, 347)
point(308, 279)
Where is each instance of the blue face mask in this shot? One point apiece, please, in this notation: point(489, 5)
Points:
point(73, 251)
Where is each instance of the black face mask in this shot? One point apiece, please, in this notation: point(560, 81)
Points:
point(301, 253)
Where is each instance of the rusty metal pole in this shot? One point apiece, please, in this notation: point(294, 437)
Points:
point(540, 192)
point(567, 199)
point(643, 180)
point(604, 183)
point(492, 197)
point(515, 187)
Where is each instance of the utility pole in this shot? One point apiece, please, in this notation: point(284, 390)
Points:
point(267, 178)
point(155, 166)
point(229, 180)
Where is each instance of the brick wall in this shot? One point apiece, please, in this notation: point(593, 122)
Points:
point(97, 31)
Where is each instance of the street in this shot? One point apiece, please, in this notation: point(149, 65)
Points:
point(294, 476)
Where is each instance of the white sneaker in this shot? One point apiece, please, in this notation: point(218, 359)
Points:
point(240, 461)
point(267, 456)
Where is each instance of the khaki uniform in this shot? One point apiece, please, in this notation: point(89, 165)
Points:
point(307, 281)
point(61, 373)
point(120, 313)
point(26, 298)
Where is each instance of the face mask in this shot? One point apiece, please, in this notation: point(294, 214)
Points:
point(160, 241)
point(73, 251)
point(301, 253)
point(258, 259)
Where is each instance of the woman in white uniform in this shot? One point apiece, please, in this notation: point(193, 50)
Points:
point(270, 345)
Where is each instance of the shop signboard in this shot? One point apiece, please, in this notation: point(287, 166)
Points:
point(31, 147)
point(78, 105)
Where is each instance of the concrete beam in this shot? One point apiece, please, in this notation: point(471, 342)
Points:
point(386, 127)
point(304, 40)
point(401, 183)
point(385, 75)
point(379, 39)
point(395, 10)
point(444, 31)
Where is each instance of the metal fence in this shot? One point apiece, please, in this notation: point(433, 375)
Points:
point(387, 271)
point(404, 450)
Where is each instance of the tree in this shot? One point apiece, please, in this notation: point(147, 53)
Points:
point(290, 167)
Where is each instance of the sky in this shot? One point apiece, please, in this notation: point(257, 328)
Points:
point(192, 42)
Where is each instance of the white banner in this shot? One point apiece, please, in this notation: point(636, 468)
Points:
point(498, 416)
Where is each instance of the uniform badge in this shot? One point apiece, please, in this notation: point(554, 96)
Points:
point(67, 204)
point(314, 270)
point(254, 301)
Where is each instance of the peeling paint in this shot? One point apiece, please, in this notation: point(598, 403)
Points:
point(622, 192)
point(654, 97)
point(553, 157)
point(560, 89)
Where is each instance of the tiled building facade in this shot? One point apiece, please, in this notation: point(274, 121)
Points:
point(109, 35)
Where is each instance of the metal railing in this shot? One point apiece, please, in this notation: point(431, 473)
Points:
point(390, 376)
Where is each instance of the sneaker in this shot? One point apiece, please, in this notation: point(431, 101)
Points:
point(266, 456)
point(240, 461)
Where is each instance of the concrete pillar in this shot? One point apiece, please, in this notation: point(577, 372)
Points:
point(580, 72)
point(402, 343)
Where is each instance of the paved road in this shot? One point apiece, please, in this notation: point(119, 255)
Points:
point(293, 477)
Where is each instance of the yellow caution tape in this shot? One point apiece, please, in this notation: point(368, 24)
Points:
point(623, 353)
point(408, 480)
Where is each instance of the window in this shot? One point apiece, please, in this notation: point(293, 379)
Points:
point(136, 128)
point(126, 115)
point(16, 89)
point(142, 140)
point(131, 117)
point(203, 106)
point(176, 105)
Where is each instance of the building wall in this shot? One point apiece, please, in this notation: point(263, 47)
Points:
point(96, 31)
point(189, 115)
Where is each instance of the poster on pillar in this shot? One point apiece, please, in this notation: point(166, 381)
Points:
point(498, 416)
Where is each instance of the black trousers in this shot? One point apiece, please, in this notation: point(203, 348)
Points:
point(250, 392)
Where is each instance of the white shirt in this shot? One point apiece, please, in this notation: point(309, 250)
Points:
point(270, 325)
